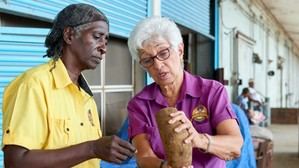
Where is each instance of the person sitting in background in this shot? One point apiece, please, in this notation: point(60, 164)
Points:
point(254, 117)
point(255, 98)
point(157, 44)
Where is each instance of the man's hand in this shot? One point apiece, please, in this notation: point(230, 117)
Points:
point(113, 149)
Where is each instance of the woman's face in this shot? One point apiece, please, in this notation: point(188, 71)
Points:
point(90, 47)
point(164, 72)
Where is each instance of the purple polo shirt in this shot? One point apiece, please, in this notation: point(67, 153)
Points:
point(195, 90)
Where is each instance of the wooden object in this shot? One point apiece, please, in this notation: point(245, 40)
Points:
point(178, 153)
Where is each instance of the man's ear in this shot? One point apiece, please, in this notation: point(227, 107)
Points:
point(68, 35)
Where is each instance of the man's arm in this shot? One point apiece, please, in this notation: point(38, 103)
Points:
point(111, 149)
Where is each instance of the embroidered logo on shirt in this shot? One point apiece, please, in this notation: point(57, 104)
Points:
point(90, 117)
point(199, 113)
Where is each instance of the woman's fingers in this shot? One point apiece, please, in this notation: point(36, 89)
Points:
point(185, 124)
point(178, 116)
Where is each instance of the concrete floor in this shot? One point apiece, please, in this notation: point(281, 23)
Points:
point(285, 146)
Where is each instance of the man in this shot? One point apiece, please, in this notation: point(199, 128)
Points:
point(254, 97)
point(50, 118)
point(243, 101)
point(254, 117)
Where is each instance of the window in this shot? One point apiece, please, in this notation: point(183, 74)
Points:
point(112, 85)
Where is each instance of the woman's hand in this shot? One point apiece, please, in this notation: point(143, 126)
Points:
point(194, 136)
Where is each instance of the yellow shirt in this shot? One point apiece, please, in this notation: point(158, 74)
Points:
point(43, 109)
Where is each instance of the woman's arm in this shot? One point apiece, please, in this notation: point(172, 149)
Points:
point(228, 141)
point(226, 144)
point(146, 158)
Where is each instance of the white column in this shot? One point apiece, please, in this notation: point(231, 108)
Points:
point(156, 7)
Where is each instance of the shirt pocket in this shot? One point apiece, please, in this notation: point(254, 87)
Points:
point(59, 133)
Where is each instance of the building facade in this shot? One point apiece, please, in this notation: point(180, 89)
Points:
point(254, 45)
point(25, 23)
point(228, 40)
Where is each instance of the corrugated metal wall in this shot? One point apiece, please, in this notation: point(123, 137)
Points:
point(123, 15)
point(194, 14)
point(20, 49)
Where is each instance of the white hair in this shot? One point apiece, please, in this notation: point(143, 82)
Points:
point(150, 28)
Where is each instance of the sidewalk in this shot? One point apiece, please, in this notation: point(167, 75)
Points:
point(285, 146)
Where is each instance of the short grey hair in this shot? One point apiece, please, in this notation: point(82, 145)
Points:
point(150, 28)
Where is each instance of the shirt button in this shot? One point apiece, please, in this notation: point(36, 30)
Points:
point(67, 129)
point(7, 131)
point(81, 124)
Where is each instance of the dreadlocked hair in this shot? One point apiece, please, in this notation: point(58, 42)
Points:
point(73, 16)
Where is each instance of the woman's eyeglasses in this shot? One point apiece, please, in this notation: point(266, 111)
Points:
point(161, 56)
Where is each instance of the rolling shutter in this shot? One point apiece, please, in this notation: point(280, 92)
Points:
point(123, 15)
point(193, 14)
point(20, 49)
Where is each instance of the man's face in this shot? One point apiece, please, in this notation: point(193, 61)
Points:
point(251, 84)
point(90, 46)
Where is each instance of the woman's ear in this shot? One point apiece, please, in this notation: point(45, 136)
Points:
point(181, 50)
point(68, 35)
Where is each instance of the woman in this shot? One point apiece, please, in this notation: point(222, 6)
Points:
point(214, 133)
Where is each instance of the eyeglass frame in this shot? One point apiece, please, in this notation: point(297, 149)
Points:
point(157, 57)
